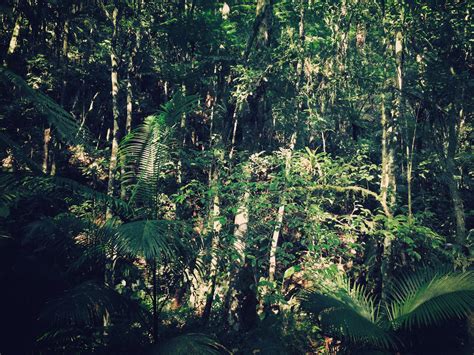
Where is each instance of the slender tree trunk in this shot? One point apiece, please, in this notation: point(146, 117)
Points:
point(155, 303)
point(458, 204)
point(280, 214)
point(112, 253)
point(388, 187)
point(216, 228)
point(46, 140)
point(15, 35)
point(128, 126)
point(387, 192)
point(410, 155)
point(115, 109)
point(129, 89)
point(275, 238)
point(239, 272)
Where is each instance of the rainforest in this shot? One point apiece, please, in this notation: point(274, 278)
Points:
point(236, 177)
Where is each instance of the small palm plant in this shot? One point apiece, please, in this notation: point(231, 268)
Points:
point(146, 154)
point(349, 313)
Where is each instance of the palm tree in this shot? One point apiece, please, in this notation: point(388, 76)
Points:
point(145, 153)
point(348, 312)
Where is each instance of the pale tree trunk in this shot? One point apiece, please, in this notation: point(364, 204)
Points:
point(129, 89)
point(215, 241)
point(112, 253)
point(46, 140)
point(410, 155)
point(275, 238)
point(458, 204)
point(280, 214)
point(15, 35)
point(388, 187)
point(236, 293)
point(115, 109)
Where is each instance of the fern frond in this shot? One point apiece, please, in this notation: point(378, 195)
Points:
point(85, 304)
point(192, 343)
point(68, 129)
point(349, 314)
point(431, 296)
point(24, 184)
point(145, 153)
point(152, 239)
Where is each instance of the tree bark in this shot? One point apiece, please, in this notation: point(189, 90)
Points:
point(112, 253)
point(115, 109)
point(458, 204)
point(388, 187)
point(46, 140)
point(238, 287)
point(216, 228)
point(280, 214)
point(13, 44)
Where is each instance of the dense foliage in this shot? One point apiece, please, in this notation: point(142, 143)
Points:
point(240, 176)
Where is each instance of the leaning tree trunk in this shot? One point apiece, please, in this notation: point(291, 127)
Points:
point(12, 45)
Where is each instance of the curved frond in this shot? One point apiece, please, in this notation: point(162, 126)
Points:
point(19, 185)
point(192, 343)
point(68, 129)
point(146, 151)
point(430, 297)
point(85, 304)
point(152, 239)
point(349, 314)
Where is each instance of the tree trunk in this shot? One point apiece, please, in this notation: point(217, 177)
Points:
point(155, 302)
point(216, 228)
point(280, 214)
point(14, 38)
point(115, 110)
point(458, 204)
point(388, 185)
point(46, 140)
point(112, 254)
point(239, 298)
point(130, 70)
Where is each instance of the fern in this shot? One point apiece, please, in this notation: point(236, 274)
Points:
point(419, 300)
point(84, 305)
point(146, 152)
point(152, 239)
point(191, 343)
point(68, 129)
point(18, 185)
point(350, 313)
point(431, 297)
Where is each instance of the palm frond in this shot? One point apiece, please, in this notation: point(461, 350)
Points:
point(431, 296)
point(24, 184)
point(152, 239)
point(191, 343)
point(84, 305)
point(68, 129)
point(146, 151)
point(350, 314)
